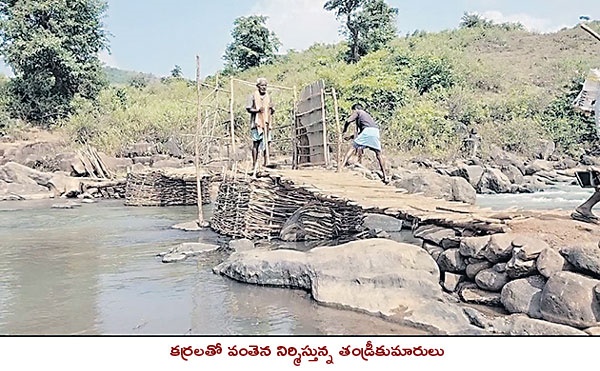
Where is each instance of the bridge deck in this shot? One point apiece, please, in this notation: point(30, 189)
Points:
point(554, 226)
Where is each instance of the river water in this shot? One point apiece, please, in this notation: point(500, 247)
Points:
point(93, 270)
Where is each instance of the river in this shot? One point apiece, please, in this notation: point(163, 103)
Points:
point(93, 270)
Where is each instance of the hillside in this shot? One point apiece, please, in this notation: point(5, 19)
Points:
point(426, 89)
point(118, 76)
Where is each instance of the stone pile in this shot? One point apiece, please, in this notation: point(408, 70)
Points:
point(519, 273)
point(165, 187)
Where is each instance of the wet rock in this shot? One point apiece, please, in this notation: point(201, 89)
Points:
point(490, 280)
point(143, 160)
point(385, 222)
point(67, 205)
point(568, 298)
point(493, 181)
point(188, 226)
point(186, 250)
point(513, 174)
point(471, 173)
point(463, 191)
point(240, 245)
point(538, 165)
point(524, 296)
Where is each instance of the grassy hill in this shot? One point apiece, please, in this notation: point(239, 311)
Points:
point(118, 76)
point(426, 89)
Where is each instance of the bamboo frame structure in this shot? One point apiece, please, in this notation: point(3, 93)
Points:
point(339, 130)
point(197, 143)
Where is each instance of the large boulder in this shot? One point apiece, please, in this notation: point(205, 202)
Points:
point(491, 280)
point(569, 298)
point(550, 262)
point(493, 181)
point(436, 185)
point(585, 258)
point(471, 173)
point(524, 296)
point(378, 276)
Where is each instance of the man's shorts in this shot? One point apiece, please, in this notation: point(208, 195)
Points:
point(258, 137)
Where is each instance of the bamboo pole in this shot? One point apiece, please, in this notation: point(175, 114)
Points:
point(325, 151)
point(206, 143)
point(231, 119)
point(295, 130)
point(590, 31)
point(270, 85)
point(201, 221)
point(339, 130)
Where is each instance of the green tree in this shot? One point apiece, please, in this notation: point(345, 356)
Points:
point(368, 24)
point(472, 20)
point(253, 44)
point(52, 47)
point(176, 72)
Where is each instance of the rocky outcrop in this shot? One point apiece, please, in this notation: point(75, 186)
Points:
point(523, 275)
point(395, 280)
point(436, 185)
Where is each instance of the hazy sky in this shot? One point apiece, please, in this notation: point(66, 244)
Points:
point(155, 35)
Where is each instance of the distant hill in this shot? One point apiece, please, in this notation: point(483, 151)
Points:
point(117, 76)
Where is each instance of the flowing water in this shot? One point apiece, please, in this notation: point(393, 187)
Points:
point(93, 270)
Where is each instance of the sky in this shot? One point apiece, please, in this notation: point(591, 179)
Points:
point(153, 36)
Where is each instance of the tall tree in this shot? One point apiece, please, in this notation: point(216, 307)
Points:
point(253, 43)
point(368, 24)
point(52, 47)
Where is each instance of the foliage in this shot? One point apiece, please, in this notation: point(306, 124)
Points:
point(425, 91)
point(52, 47)
point(471, 20)
point(176, 72)
point(474, 20)
point(116, 76)
point(253, 44)
point(369, 25)
point(568, 127)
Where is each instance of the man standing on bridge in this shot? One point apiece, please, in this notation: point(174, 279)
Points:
point(367, 137)
point(261, 109)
